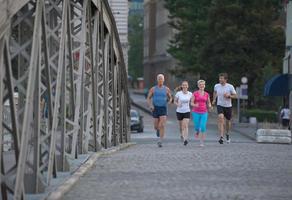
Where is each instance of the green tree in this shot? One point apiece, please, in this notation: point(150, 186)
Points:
point(240, 37)
point(135, 53)
point(244, 40)
point(189, 19)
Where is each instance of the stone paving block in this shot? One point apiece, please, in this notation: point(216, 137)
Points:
point(273, 136)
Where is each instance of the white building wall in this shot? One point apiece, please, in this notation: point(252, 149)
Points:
point(120, 9)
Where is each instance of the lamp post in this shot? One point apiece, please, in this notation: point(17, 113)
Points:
point(241, 94)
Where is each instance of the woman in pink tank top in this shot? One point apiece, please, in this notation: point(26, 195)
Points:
point(200, 100)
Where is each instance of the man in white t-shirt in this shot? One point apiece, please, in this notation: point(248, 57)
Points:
point(224, 93)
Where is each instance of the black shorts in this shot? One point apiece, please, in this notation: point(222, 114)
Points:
point(226, 111)
point(181, 116)
point(159, 111)
point(285, 122)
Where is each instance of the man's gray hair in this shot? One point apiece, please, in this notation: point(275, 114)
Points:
point(160, 75)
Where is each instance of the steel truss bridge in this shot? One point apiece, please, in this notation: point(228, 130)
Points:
point(63, 89)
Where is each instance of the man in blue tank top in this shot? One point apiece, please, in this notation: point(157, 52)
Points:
point(160, 95)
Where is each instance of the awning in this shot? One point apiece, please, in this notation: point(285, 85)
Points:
point(278, 85)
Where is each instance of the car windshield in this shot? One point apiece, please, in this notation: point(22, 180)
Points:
point(134, 114)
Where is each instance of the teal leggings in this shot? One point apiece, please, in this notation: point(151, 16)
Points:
point(200, 121)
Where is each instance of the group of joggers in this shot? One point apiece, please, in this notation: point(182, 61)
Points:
point(198, 103)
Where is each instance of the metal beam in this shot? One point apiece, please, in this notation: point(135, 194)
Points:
point(63, 58)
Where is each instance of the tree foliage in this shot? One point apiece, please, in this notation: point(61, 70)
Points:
point(240, 37)
point(135, 52)
point(189, 19)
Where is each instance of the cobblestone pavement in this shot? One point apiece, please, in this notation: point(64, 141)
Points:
point(241, 170)
point(236, 171)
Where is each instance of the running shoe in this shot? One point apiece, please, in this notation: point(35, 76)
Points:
point(157, 133)
point(197, 135)
point(227, 139)
point(221, 140)
point(159, 144)
point(186, 142)
point(202, 145)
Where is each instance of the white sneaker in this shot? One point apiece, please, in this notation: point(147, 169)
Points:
point(202, 144)
point(228, 138)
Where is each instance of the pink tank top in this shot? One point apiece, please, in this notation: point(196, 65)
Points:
point(201, 100)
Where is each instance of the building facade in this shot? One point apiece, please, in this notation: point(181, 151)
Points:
point(120, 9)
point(136, 6)
point(157, 34)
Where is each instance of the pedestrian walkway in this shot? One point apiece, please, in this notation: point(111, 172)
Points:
point(241, 170)
point(174, 172)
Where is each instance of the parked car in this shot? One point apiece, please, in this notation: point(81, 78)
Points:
point(136, 121)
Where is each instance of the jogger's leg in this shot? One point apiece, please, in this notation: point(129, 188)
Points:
point(221, 124)
point(204, 119)
point(156, 122)
point(185, 123)
point(202, 138)
point(180, 122)
point(228, 126)
point(161, 126)
point(196, 119)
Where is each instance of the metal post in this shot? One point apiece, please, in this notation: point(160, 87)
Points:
point(238, 104)
point(28, 103)
point(79, 81)
point(115, 113)
point(106, 88)
point(2, 188)
point(93, 74)
point(52, 155)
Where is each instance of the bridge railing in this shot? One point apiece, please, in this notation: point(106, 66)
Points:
point(64, 80)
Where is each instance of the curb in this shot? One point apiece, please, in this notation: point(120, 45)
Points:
point(142, 108)
point(83, 169)
point(249, 136)
point(139, 93)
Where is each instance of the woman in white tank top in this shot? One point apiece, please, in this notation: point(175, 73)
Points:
point(182, 101)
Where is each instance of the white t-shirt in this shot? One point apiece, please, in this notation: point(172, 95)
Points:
point(184, 100)
point(285, 113)
point(221, 90)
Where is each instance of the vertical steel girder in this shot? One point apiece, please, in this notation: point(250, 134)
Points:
point(63, 89)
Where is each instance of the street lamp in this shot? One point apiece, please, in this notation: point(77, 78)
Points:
point(241, 94)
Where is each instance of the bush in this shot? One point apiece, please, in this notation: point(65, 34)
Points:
point(261, 115)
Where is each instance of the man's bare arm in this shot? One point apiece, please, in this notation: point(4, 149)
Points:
point(169, 95)
point(150, 95)
point(193, 101)
point(230, 96)
point(176, 101)
point(209, 103)
point(233, 96)
point(214, 97)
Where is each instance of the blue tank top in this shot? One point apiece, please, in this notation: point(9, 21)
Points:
point(160, 96)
